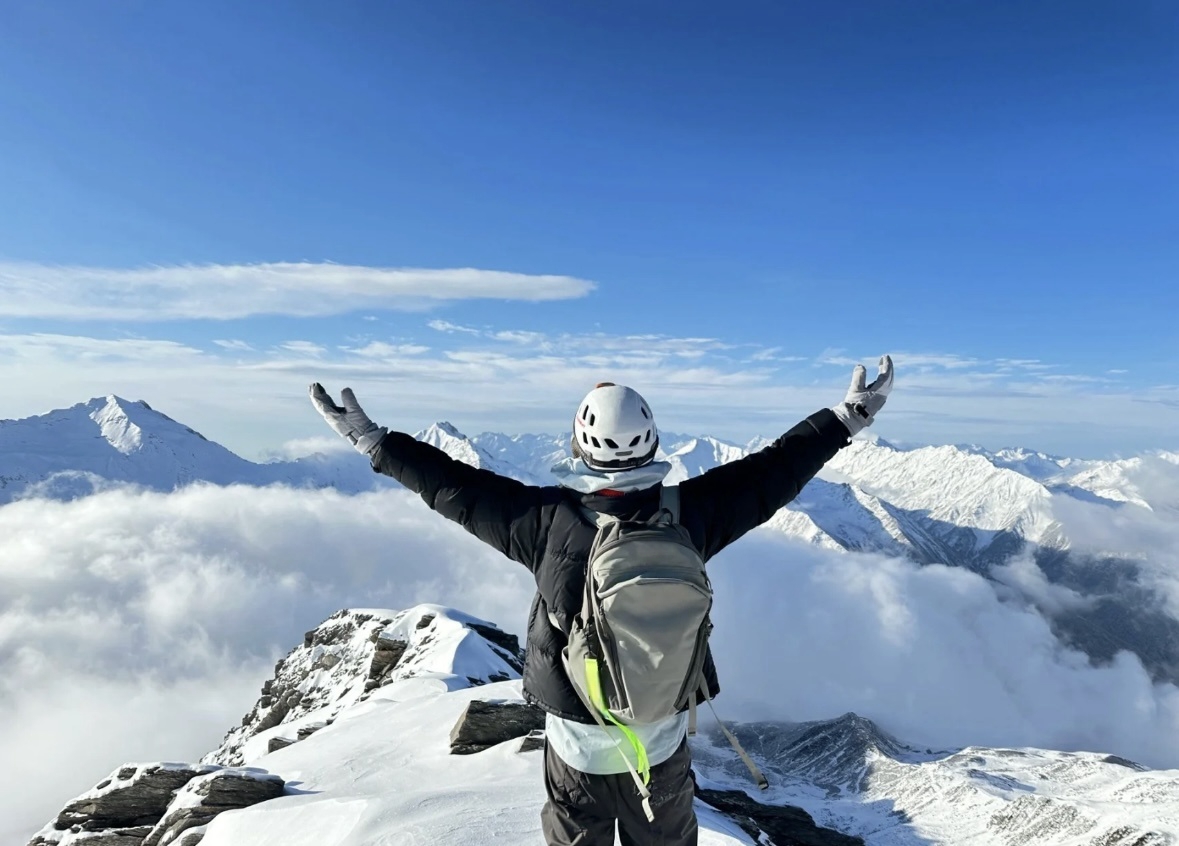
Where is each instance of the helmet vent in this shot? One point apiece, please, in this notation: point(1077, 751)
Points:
point(610, 443)
point(647, 439)
point(635, 440)
point(644, 410)
point(584, 439)
point(585, 413)
point(593, 417)
point(596, 444)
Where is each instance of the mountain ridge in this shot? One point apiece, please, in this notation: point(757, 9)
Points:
point(942, 505)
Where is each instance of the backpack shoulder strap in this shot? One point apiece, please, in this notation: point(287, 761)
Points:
point(669, 501)
point(597, 518)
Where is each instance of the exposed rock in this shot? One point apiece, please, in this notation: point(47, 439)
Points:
point(206, 796)
point(353, 653)
point(387, 652)
point(532, 741)
point(783, 825)
point(509, 643)
point(484, 724)
point(1123, 762)
point(306, 731)
point(132, 796)
point(276, 743)
point(109, 837)
point(192, 837)
point(328, 671)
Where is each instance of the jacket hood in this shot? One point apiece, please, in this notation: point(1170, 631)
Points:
point(575, 474)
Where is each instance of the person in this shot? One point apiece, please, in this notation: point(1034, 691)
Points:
point(612, 469)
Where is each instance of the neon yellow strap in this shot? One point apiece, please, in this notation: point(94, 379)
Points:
point(594, 683)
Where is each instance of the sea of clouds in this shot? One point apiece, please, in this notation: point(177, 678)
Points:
point(140, 626)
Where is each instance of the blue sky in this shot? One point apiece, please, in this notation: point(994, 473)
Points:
point(729, 204)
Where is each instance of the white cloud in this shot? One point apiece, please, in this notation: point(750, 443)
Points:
point(303, 348)
point(485, 380)
point(915, 360)
point(302, 447)
point(81, 349)
point(534, 339)
point(378, 349)
point(224, 292)
point(930, 653)
point(1025, 581)
point(159, 616)
point(447, 326)
point(239, 346)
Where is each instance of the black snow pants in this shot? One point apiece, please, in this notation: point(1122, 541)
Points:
point(582, 809)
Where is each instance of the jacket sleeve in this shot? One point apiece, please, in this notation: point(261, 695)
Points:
point(501, 512)
point(721, 505)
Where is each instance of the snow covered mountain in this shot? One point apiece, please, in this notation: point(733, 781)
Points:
point(950, 505)
point(405, 727)
point(852, 776)
point(75, 451)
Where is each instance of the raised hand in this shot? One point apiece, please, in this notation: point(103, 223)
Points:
point(859, 407)
point(349, 419)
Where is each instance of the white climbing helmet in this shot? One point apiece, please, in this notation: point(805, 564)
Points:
point(614, 429)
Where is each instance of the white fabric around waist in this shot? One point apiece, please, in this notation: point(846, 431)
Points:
point(592, 749)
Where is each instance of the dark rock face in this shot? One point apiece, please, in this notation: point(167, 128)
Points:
point(133, 796)
point(532, 741)
point(155, 804)
point(774, 825)
point(111, 837)
point(206, 796)
point(386, 653)
point(508, 643)
point(276, 743)
point(484, 724)
point(343, 660)
point(336, 656)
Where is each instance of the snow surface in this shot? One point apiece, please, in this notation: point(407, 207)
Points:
point(381, 773)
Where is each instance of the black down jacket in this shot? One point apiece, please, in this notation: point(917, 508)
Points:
point(544, 529)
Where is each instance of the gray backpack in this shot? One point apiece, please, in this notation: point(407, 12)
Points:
point(636, 649)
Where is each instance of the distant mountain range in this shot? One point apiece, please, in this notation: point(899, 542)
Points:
point(960, 506)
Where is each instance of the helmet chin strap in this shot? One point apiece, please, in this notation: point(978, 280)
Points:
point(629, 464)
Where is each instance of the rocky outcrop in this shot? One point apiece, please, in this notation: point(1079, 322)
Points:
point(133, 795)
point(774, 825)
point(155, 804)
point(350, 655)
point(532, 742)
point(329, 671)
point(204, 797)
point(484, 724)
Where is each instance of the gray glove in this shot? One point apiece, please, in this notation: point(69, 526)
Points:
point(349, 421)
point(859, 407)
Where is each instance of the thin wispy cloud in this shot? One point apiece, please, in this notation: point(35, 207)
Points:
point(447, 326)
point(305, 348)
point(252, 396)
point(379, 349)
point(226, 292)
point(240, 346)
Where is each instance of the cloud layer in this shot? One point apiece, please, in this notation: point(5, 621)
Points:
point(159, 616)
point(226, 292)
point(250, 395)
